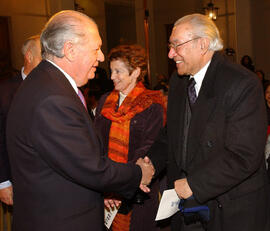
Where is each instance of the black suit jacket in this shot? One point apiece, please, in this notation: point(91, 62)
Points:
point(58, 167)
point(225, 146)
point(8, 88)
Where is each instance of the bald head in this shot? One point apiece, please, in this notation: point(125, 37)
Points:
point(64, 26)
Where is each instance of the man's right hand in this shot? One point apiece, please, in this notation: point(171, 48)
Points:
point(148, 172)
point(6, 195)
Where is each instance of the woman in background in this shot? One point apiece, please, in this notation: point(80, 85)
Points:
point(247, 62)
point(129, 119)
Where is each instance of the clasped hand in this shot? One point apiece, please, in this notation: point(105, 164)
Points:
point(148, 172)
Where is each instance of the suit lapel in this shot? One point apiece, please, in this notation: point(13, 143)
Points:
point(176, 107)
point(203, 108)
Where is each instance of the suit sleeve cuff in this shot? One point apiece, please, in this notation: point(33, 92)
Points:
point(5, 184)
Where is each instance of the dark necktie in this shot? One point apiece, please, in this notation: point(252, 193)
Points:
point(191, 91)
point(82, 98)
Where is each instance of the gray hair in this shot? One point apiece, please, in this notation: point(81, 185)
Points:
point(30, 43)
point(62, 27)
point(203, 27)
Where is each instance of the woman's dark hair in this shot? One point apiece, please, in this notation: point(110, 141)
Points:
point(247, 62)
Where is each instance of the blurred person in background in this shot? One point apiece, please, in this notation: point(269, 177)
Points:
point(8, 86)
point(247, 62)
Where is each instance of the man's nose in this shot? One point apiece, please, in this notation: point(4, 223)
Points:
point(171, 53)
point(100, 56)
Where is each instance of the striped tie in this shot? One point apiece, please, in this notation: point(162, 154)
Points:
point(191, 91)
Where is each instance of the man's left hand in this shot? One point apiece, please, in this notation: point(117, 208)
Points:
point(182, 188)
point(6, 195)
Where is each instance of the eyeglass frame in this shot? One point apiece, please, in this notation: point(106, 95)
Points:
point(175, 47)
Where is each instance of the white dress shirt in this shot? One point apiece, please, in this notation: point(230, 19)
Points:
point(199, 76)
point(69, 78)
point(22, 73)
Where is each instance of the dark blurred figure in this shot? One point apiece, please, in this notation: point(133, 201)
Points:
point(247, 62)
point(6, 70)
point(267, 99)
point(8, 86)
point(105, 84)
point(163, 84)
point(261, 76)
point(230, 53)
point(95, 88)
point(92, 93)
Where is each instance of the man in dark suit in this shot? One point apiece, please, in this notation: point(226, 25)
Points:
point(58, 166)
point(213, 145)
point(32, 56)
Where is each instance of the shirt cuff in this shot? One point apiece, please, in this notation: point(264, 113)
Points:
point(5, 184)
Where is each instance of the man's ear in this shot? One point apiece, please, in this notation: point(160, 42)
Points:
point(204, 43)
point(28, 56)
point(69, 51)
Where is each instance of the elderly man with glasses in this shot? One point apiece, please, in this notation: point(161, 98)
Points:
point(213, 145)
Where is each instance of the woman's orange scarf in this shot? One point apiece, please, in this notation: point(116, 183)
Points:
point(136, 101)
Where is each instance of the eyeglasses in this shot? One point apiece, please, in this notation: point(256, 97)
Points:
point(176, 46)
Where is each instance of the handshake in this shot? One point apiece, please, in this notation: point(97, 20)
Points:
point(148, 172)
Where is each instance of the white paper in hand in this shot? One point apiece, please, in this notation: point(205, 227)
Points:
point(168, 204)
point(109, 216)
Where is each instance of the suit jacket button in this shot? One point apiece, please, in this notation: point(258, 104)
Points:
point(219, 206)
point(209, 144)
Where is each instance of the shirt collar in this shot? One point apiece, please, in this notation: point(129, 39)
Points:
point(199, 76)
point(22, 73)
point(69, 78)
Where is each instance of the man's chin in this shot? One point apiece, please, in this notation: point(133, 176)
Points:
point(91, 75)
point(180, 72)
